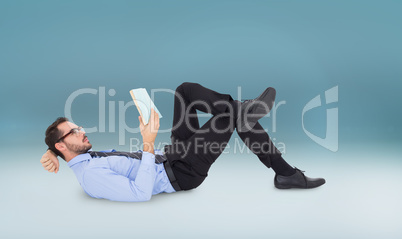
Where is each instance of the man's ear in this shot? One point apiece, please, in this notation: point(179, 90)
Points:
point(60, 146)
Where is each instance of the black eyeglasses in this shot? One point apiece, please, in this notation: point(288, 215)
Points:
point(75, 131)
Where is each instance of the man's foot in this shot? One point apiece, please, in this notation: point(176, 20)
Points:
point(251, 111)
point(297, 180)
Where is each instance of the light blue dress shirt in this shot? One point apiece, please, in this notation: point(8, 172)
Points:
point(121, 178)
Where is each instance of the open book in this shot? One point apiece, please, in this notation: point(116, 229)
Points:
point(144, 104)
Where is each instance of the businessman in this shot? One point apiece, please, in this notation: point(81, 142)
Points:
point(182, 165)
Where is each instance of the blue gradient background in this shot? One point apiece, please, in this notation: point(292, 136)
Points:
point(49, 49)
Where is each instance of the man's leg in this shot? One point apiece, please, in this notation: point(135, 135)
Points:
point(190, 97)
point(258, 141)
point(195, 149)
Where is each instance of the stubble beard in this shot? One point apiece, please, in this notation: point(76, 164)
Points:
point(78, 149)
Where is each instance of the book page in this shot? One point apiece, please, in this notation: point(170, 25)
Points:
point(144, 103)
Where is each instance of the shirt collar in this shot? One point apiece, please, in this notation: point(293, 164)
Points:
point(78, 159)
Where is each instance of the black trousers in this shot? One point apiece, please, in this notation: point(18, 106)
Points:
point(194, 149)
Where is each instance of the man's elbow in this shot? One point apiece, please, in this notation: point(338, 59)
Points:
point(142, 195)
point(145, 199)
point(142, 198)
point(131, 199)
point(126, 198)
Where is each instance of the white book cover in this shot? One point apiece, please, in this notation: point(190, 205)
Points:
point(144, 104)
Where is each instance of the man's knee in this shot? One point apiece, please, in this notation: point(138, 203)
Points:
point(185, 89)
point(186, 85)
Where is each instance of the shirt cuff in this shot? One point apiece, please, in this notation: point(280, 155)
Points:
point(147, 158)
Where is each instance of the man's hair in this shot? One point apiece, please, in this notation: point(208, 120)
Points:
point(53, 134)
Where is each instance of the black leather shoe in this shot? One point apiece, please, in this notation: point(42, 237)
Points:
point(297, 180)
point(252, 110)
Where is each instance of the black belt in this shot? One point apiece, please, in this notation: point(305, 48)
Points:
point(171, 176)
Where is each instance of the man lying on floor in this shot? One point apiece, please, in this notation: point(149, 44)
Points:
point(183, 165)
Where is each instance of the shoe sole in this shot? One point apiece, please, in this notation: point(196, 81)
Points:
point(278, 186)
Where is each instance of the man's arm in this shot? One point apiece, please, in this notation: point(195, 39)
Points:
point(107, 184)
point(149, 131)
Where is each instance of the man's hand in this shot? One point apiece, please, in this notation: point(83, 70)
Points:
point(149, 131)
point(50, 162)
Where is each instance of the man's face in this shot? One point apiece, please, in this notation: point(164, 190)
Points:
point(77, 143)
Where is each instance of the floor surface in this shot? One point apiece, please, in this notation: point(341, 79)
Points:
point(237, 200)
